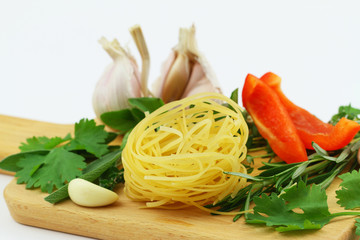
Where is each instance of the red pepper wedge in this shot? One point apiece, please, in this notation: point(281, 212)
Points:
point(309, 127)
point(272, 120)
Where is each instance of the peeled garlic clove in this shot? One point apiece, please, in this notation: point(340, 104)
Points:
point(119, 82)
point(186, 71)
point(87, 194)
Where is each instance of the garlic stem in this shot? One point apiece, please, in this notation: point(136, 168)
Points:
point(112, 48)
point(187, 41)
point(139, 39)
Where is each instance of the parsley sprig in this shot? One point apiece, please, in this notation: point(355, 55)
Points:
point(50, 163)
point(278, 210)
point(348, 112)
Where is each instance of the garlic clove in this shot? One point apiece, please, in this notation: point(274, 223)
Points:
point(199, 82)
point(88, 194)
point(119, 82)
point(157, 86)
point(186, 71)
point(177, 79)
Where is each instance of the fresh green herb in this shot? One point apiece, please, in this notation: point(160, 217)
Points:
point(111, 178)
point(92, 172)
point(278, 209)
point(42, 143)
point(348, 112)
point(122, 120)
point(51, 171)
point(89, 137)
point(146, 104)
point(349, 193)
point(321, 168)
point(126, 119)
point(49, 163)
point(357, 225)
point(10, 163)
point(277, 177)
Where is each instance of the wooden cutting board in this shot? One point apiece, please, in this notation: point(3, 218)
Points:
point(125, 219)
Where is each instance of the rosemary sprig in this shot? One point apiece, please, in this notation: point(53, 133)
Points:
point(321, 168)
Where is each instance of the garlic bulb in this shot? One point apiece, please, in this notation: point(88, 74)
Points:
point(186, 71)
point(120, 81)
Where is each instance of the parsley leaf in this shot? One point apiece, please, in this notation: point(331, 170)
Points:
point(311, 199)
point(278, 210)
point(89, 137)
point(42, 143)
point(49, 171)
point(10, 163)
point(349, 193)
point(92, 172)
point(348, 112)
point(29, 164)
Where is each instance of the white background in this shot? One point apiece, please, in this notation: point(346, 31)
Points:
point(50, 59)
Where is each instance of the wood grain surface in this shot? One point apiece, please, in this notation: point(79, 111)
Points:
point(126, 219)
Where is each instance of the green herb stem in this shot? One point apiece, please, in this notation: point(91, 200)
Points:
point(345, 214)
point(255, 149)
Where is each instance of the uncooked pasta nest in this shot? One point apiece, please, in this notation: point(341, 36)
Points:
point(176, 156)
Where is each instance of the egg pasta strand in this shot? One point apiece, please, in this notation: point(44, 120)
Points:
point(175, 157)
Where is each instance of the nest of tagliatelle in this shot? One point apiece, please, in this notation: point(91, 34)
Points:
point(176, 156)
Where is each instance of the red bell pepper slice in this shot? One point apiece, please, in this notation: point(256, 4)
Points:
point(272, 120)
point(309, 127)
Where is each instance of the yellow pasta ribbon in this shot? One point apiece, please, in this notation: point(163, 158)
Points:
point(175, 157)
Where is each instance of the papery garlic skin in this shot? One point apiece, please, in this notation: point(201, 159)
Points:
point(193, 73)
point(202, 79)
point(119, 82)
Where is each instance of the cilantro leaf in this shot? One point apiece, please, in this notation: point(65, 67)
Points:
point(279, 209)
point(10, 163)
point(312, 200)
point(277, 213)
point(92, 172)
point(57, 168)
point(29, 164)
point(89, 137)
point(42, 143)
point(349, 193)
